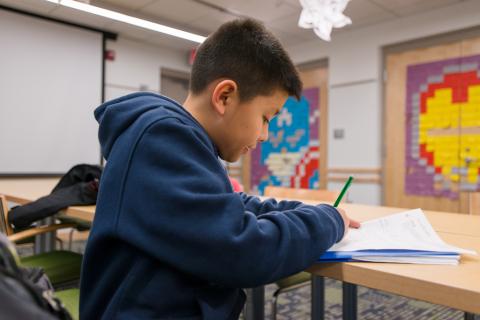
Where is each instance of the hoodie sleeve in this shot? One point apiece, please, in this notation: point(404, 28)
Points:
point(178, 208)
point(258, 207)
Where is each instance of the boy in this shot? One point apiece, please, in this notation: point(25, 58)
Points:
point(170, 238)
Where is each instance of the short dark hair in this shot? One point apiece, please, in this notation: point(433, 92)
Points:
point(244, 51)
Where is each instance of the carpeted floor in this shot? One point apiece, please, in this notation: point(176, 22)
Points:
point(372, 305)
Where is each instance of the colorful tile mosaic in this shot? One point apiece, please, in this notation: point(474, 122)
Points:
point(290, 156)
point(443, 127)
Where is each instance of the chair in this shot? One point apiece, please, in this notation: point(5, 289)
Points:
point(70, 297)
point(71, 300)
point(301, 194)
point(62, 267)
point(79, 226)
point(303, 278)
point(474, 203)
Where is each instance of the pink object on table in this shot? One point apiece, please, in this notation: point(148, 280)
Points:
point(237, 186)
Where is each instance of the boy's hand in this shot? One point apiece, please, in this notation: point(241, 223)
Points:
point(347, 222)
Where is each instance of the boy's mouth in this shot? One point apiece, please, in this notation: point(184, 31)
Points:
point(247, 149)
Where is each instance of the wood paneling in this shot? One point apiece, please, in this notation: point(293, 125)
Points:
point(361, 175)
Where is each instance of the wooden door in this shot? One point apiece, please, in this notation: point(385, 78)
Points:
point(296, 153)
point(432, 126)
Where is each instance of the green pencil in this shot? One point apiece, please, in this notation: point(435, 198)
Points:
point(344, 190)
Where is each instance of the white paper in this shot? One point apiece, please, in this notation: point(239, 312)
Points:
point(453, 261)
point(408, 230)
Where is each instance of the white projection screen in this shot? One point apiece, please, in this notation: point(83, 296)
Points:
point(50, 83)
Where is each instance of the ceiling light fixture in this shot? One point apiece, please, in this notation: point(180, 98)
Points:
point(130, 20)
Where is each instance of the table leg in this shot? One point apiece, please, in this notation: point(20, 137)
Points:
point(255, 304)
point(45, 242)
point(469, 316)
point(318, 298)
point(349, 301)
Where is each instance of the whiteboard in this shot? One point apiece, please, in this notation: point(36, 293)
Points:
point(50, 83)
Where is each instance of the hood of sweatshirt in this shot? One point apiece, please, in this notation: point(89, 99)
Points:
point(116, 116)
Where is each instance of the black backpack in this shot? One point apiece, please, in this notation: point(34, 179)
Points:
point(25, 293)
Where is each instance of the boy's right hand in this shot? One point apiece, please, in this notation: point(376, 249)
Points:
point(347, 222)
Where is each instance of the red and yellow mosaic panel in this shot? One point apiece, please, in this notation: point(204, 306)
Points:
point(443, 127)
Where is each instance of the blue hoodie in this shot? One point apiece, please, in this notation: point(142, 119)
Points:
point(170, 238)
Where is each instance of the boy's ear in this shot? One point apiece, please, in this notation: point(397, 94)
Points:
point(223, 95)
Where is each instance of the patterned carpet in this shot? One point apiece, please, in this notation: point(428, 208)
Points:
point(372, 305)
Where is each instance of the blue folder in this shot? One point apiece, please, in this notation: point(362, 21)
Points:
point(346, 256)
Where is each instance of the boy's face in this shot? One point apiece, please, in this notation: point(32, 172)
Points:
point(246, 123)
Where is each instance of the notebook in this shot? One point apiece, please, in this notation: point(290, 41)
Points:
point(405, 237)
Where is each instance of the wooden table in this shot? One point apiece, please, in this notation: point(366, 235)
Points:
point(457, 287)
point(23, 190)
point(454, 286)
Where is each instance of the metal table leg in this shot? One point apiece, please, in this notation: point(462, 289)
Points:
point(318, 298)
point(45, 242)
point(469, 316)
point(255, 305)
point(349, 301)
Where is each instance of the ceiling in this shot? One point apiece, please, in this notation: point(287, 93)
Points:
point(204, 16)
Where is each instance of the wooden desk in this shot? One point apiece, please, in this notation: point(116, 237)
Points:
point(454, 286)
point(23, 190)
